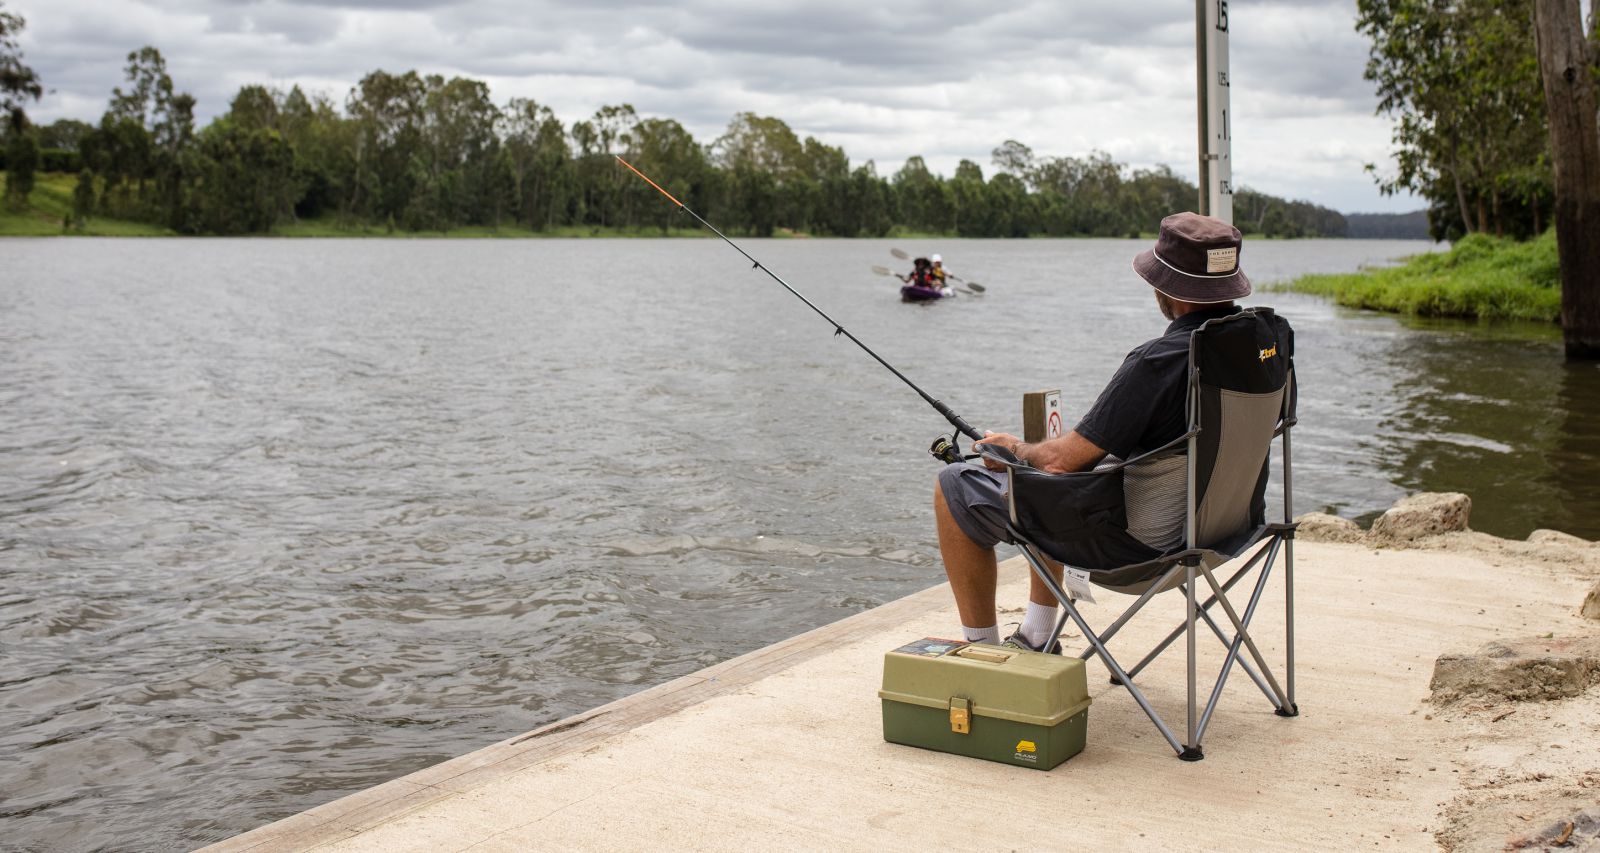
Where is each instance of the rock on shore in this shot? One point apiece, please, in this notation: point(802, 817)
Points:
point(1421, 515)
point(1519, 670)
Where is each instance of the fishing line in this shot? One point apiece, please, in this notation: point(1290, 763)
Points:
point(944, 447)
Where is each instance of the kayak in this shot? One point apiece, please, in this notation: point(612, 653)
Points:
point(912, 293)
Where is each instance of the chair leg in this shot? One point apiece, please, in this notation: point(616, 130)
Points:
point(1233, 654)
point(1244, 635)
point(1231, 643)
point(1133, 610)
point(1099, 647)
point(1245, 665)
point(1291, 710)
point(1178, 631)
point(1221, 637)
point(1191, 746)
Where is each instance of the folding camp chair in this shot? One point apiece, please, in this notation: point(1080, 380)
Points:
point(1241, 395)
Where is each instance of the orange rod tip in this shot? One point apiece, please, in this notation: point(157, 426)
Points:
point(647, 179)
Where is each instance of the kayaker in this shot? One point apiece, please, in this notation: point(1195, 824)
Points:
point(921, 275)
point(937, 270)
point(1195, 275)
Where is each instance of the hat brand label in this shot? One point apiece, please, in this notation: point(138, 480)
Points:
point(1222, 260)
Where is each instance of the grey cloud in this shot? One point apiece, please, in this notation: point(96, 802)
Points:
point(375, 5)
point(296, 24)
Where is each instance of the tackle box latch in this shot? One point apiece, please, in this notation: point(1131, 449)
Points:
point(960, 715)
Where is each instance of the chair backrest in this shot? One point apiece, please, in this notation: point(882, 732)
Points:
point(1241, 391)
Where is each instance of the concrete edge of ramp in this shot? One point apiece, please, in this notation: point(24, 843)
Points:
point(364, 809)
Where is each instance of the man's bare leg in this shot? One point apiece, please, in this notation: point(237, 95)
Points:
point(1039, 622)
point(970, 567)
point(1038, 593)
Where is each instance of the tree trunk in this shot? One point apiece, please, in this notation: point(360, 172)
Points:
point(1499, 224)
point(1483, 216)
point(1461, 193)
point(1569, 95)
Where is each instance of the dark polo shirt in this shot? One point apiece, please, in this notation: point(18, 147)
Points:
point(1142, 407)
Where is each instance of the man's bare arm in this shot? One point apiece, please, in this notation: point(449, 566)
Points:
point(1068, 453)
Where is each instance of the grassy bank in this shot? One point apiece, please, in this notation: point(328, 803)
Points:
point(49, 206)
point(1480, 276)
point(331, 227)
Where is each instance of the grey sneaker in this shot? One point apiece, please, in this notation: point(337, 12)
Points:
point(1017, 641)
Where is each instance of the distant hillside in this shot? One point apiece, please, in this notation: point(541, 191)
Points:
point(1389, 226)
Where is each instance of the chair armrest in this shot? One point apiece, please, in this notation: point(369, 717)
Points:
point(1001, 455)
point(1010, 460)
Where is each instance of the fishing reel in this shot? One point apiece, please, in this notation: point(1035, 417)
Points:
point(946, 450)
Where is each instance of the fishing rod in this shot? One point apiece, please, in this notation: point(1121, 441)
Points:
point(944, 447)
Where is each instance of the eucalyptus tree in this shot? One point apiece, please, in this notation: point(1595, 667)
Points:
point(759, 143)
point(64, 134)
point(541, 163)
point(1013, 158)
point(324, 144)
point(19, 84)
point(872, 210)
point(663, 148)
point(970, 212)
point(174, 167)
point(1082, 195)
point(246, 171)
point(1013, 208)
point(822, 196)
point(767, 164)
point(389, 113)
point(609, 184)
point(1460, 79)
point(149, 87)
point(144, 137)
point(925, 201)
point(1158, 191)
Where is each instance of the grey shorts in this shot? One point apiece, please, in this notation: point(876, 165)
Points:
point(976, 497)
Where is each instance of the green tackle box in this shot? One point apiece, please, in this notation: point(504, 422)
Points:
point(1002, 704)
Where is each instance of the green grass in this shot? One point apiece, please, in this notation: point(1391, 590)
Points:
point(329, 226)
point(1482, 277)
point(49, 205)
point(51, 202)
point(901, 232)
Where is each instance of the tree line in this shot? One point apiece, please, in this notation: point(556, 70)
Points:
point(416, 152)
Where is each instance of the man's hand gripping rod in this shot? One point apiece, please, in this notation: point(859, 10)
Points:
point(946, 448)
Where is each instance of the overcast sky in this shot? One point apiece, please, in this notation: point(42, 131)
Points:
point(884, 79)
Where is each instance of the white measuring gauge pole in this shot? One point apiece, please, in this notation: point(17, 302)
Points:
point(1216, 129)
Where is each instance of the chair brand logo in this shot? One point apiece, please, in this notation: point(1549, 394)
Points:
point(1269, 353)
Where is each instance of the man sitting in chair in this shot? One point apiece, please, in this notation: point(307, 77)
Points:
point(1194, 269)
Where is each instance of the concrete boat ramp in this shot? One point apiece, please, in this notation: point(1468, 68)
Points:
point(782, 748)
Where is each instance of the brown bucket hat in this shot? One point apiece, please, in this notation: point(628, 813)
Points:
point(1196, 259)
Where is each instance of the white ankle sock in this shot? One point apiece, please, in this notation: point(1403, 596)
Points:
point(1037, 624)
point(990, 635)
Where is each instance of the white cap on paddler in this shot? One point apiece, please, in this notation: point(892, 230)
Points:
point(936, 259)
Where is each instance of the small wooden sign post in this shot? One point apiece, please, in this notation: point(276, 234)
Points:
point(1041, 416)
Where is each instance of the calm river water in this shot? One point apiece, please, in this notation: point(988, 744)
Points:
point(281, 520)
